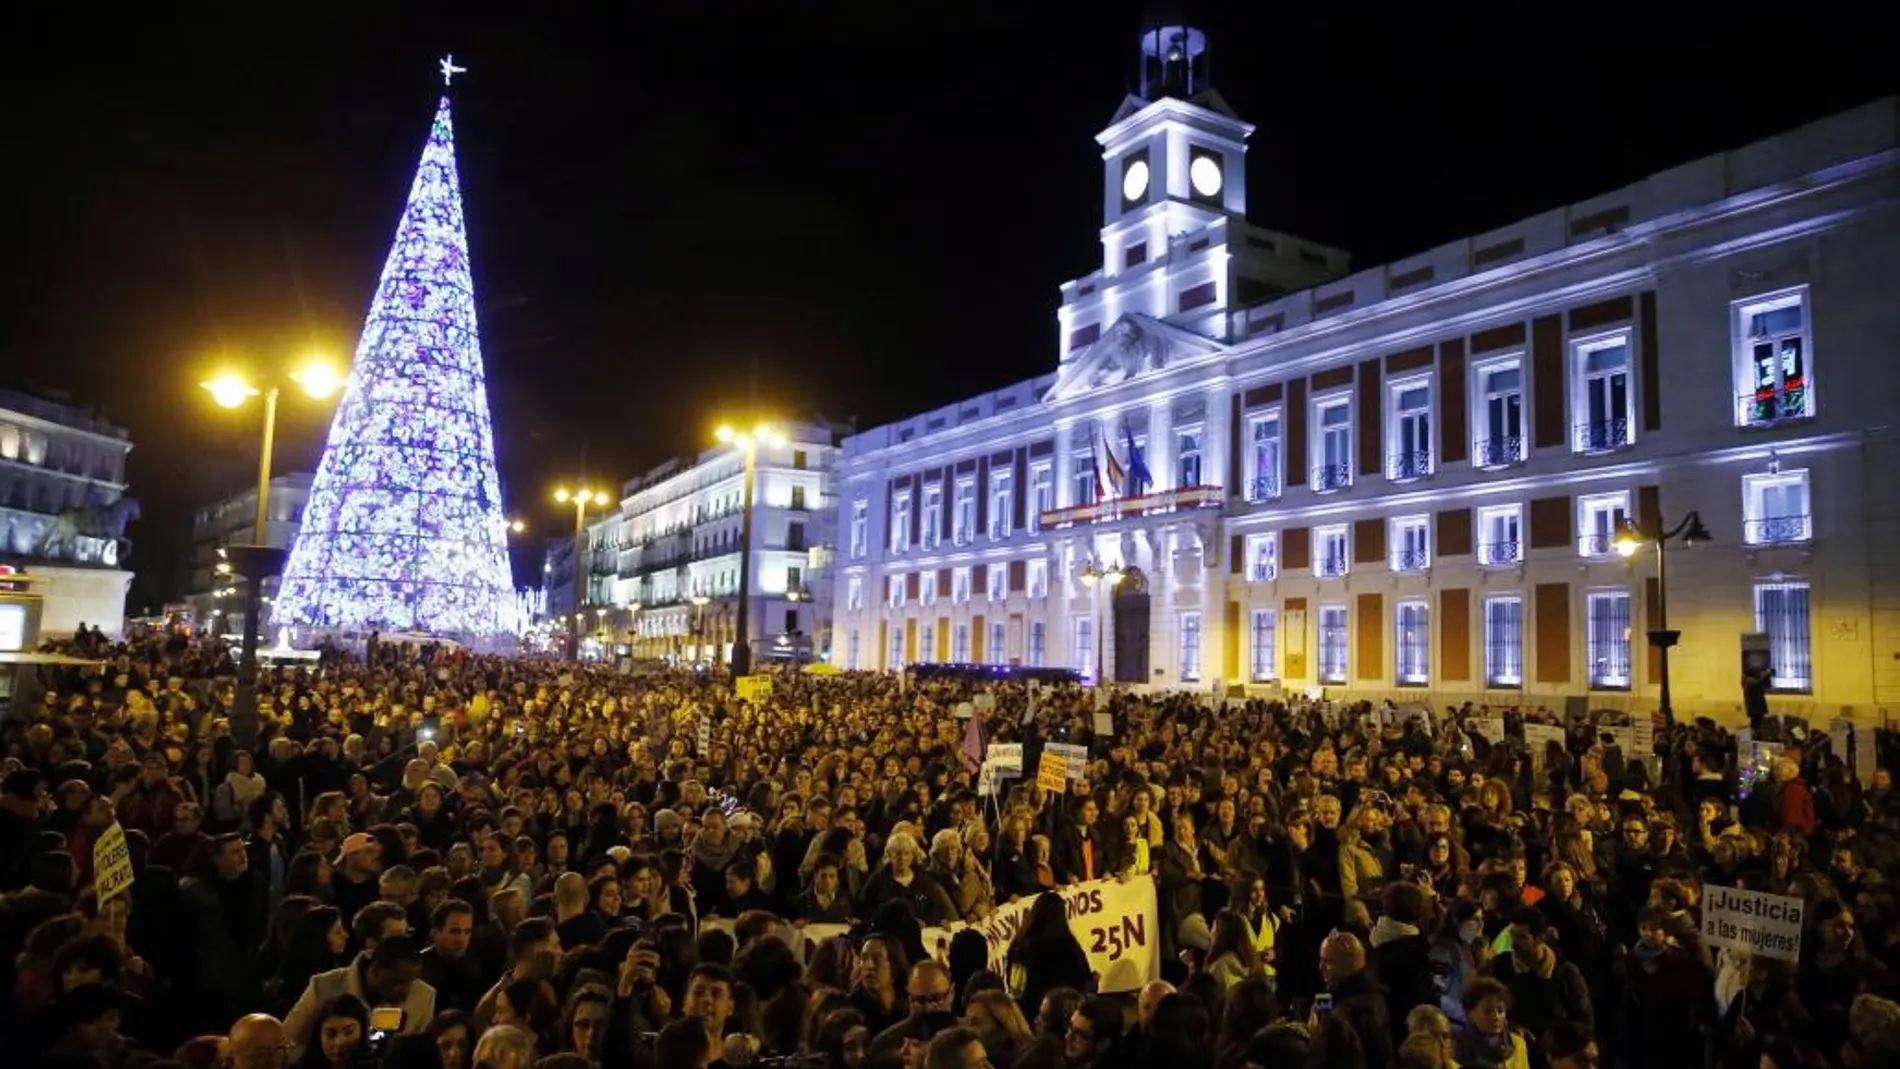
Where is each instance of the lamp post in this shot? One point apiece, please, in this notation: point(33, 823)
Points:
point(580, 499)
point(1630, 538)
point(1111, 576)
point(741, 660)
point(259, 561)
point(700, 601)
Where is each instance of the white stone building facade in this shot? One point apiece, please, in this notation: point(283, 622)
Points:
point(1404, 481)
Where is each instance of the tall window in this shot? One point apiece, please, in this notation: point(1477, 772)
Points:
point(1037, 635)
point(1414, 634)
point(1332, 643)
point(1775, 508)
point(998, 579)
point(1603, 398)
point(854, 593)
point(1504, 641)
point(933, 517)
point(963, 520)
point(1038, 578)
point(1331, 551)
point(1411, 430)
point(1500, 422)
point(1599, 516)
point(1772, 359)
point(798, 498)
point(1607, 634)
point(1190, 647)
point(851, 651)
point(995, 649)
point(1042, 494)
point(900, 523)
point(1781, 612)
point(1263, 457)
point(1187, 457)
point(894, 591)
point(960, 644)
point(1334, 428)
point(860, 528)
point(896, 661)
point(1002, 502)
point(927, 652)
point(927, 589)
point(1082, 479)
point(1264, 647)
point(1411, 543)
point(1083, 655)
point(960, 586)
point(1263, 557)
point(1501, 535)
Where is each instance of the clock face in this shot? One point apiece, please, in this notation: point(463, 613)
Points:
point(1135, 180)
point(1204, 172)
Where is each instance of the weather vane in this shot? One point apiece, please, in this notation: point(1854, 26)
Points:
point(450, 70)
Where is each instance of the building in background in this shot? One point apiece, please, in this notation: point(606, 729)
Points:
point(1405, 482)
point(233, 520)
point(64, 512)
point(664, 569)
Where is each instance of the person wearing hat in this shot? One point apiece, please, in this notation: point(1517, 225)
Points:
point(358, 864)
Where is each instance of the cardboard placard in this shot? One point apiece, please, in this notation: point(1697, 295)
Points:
point(1075, 756)
point(1753, 921)
point(985, 701)
point(965, 710)
point(1006, 756)
point(1052, 774)
point(111, 864)
point(1103, 725)
point(752, 688)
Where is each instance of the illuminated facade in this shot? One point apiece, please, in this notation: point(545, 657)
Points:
point(404, 528)
point(1403, 481)
point(665, 566)
point(58, 460)
point(232, 520)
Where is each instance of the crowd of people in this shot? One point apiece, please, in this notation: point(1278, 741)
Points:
point(440, 860)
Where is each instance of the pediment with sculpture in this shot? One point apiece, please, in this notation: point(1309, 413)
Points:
point(1135, 346)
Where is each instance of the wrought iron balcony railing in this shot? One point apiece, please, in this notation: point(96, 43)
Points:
point(1263, 488)
point(1329, 477)
point(1411, 560)
point(1408, 464)
point(1498, 554)
point(1500, 452)
point(1331, 567)
point(1603, 435)
point(1776, 530)
point(1768, 406)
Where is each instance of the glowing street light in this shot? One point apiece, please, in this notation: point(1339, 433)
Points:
point(580, 498)
point(1110, 577)
point(749, 442)
point(1629, 540)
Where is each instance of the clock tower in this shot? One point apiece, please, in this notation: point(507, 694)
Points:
point(1176, 244)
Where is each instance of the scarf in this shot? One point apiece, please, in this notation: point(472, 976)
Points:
point(1386, 930)
point(244, 789)
point(714, 857)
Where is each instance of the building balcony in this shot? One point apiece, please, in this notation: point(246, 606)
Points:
point(1503, 554)
point(1330, 477)
point(1777, 530)
point(1262, 571)
point(1599, 544)
point(1121, 508)
point(1769, 406)
point(1603, 435)
point(1408, 464)
point(1331, 567)
point(1499, 452)
point(1263, 488)
point(1411, 560)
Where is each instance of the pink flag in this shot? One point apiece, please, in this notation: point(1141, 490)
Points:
point(972, 749)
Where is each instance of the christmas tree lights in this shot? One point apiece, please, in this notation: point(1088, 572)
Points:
point(404, 528)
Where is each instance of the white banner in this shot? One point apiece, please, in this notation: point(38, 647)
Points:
point(1117, 924)
point(1537, 736)
point(1752, 921)
point(1076, 754)
point(1489, 727)
point(1006, 756)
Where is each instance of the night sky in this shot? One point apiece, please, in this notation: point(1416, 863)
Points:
point(872, 205)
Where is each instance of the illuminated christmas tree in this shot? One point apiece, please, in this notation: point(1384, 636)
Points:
point(404, 528)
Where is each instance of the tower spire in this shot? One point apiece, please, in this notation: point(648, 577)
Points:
point(404, 529)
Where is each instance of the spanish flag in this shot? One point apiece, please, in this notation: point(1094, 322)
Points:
point(1116, 474)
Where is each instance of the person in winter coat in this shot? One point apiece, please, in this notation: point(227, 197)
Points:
point(1667, 1000)
point(1401, 953)
point(1544, 988)
point(1794, 802)
point(1358, 1000)
point(901, 877)
point(1045, 955)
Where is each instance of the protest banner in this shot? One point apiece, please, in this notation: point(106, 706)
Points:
point(1117, 924)
point(1538, 736)
point(1490, 728)
point(111, 864)
point(803, 940)
point(1053, 773)
point(965, 710)
point(986, 780)
point(1006, 756)
point(752, 688)
point(704, 734)
point(1103, 724)
point(1074, 754)
point(1753, 921)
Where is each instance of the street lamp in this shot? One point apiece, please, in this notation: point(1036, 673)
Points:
point(700, 601)
point(741, 661)
point(580, 499)
point(1630, 538)
point(1111, 577)
point(256, 562)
